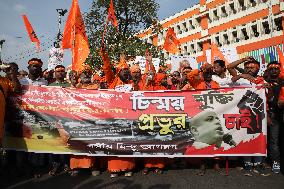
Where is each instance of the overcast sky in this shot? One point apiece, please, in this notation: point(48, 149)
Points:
point(43, 17)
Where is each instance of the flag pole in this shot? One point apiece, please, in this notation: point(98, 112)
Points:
point(104, 32)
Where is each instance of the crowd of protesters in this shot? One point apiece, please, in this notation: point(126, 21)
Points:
point(243, 72)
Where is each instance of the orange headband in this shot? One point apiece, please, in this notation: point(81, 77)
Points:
point(35, 62)
point(60, 69)
point(253, 65)
point(274, 66)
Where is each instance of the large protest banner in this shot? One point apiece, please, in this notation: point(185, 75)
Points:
point(225, 122)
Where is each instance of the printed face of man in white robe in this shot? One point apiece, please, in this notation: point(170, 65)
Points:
point(206, 129)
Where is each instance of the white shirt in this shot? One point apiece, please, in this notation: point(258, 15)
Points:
point(223, 82)
point(243, 82)
point(38, 82)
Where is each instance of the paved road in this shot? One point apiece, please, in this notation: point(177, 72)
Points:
point(172, 179)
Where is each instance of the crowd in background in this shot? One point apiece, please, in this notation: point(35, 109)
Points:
point(243, 72)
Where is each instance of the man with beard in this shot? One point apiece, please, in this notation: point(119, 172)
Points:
point(275, 114)
point(250, 76)
point(117, 165)
point(122, 76)
point(175, 81)
point(205, 80)
point(35, 78)
point(35, 73)
point(138, 80)
point(86, 80)
point(156, 81)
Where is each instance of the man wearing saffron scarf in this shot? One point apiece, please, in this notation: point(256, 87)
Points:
point(117, 165)
point(203, 79)
point(8, 85)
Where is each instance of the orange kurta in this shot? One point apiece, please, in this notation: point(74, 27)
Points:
point(116, 164)
point(202, 85)
point(2, 114)
point(155, 162)
point(6, 88)
point(83, 161)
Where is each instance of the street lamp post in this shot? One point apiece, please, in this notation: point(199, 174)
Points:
point(61, 12)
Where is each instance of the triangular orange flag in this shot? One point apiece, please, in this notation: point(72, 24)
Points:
point(171, 42)
point(74, 37)
point(216, 52)
point(31, 32)
point(111, 15)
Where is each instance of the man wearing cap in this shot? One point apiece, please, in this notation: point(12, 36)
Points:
point(35, 73)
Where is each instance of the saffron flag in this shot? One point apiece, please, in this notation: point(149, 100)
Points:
point(216, 52)
point(75, 38)
point(111, 15)
point(171, 42)
point(31, 32)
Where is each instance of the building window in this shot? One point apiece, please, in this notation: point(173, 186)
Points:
point(255, 33)
point(223, 12)
point(179, 31)
point(185, 50)
point(217, 41)
point(190, 26)
point(226, 39)
point(278, 24)
point(232, 7)
point(199, 46)
point(184, 27)
point(215, 15)
point(242, 4)
point(192, 49)
point(266, 27)
point(245, 34)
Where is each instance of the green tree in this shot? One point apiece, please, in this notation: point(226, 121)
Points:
point(132, 16)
